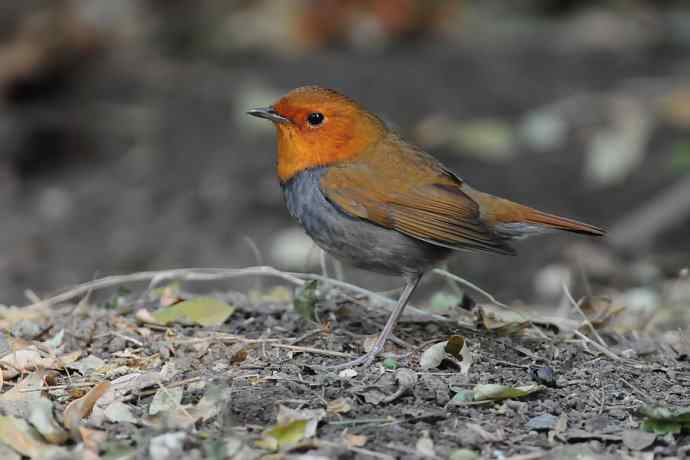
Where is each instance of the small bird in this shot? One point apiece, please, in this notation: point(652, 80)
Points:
point(375, 201)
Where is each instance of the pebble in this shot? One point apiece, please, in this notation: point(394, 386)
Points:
point(26, 329)
point(542, 422)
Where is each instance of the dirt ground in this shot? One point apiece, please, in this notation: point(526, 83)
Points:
point(261, 369)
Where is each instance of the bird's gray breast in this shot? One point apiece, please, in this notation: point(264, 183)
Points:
point(353, 240)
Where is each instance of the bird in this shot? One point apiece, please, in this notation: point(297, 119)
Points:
point(375, 201)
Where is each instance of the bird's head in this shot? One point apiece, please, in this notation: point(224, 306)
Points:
point(319, 127)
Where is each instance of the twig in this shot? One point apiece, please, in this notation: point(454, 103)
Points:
point(599, 347)
point(122, 336)
point(211, 274)
point(491, 298)
point(577, 306)
point(316, 351)
point(258, 257)
point(58, 387)
point(646, 398)
point(464, 282)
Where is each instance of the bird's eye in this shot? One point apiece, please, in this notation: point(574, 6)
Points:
point(315, 118)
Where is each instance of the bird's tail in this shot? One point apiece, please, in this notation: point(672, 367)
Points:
point(543, 219)
point(517, 220)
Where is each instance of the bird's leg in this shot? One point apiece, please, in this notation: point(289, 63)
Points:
point(368, 358)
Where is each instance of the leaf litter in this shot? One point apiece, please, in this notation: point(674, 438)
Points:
point(233, 376)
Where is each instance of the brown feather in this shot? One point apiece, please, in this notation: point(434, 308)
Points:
point(497, 210)
point(397, 186)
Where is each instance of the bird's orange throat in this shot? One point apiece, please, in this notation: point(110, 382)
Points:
point(301, 148)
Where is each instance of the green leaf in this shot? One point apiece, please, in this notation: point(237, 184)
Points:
point(205, 311)
point(464, 396)
point(662, 420)
point(306, 300)
point(283, 435)
point(390, 363)
point(495, 392)
point(443, 301)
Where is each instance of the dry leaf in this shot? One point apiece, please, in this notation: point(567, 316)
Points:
point(166, 399)
point(80, 408)
point(119, 412)
point(42, 418)
point(17, 434)
point(338, 406)
point(354, 440)
point(23, 360)
point(92, 439)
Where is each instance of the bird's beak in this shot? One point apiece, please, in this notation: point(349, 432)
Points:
point(268, 113)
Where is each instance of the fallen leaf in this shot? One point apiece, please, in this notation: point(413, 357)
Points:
point(55, 341)
point(496, 392)
point(166, 399)
point(11, 315)
point(283, 435)
point(42, 418)
point(464, 396)
point(306, 299)
point(390, 363)
point(80, 408)
point(455, 347)
point(500, 320)
point(443, 302)
point(433, 356)
point(293, 426)
point(23, 360)
point(86, 365)
point(19, 435)
point(662, 420)
point(338, 406)
point(6, 453)
point(205, 311)
point(93, 439)
point(118, 412)
point(638, 440)
point(354, 440)
point(211, 403)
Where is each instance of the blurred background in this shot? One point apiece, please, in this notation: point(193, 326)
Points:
point(124, 143)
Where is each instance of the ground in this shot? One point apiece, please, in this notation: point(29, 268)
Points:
point(230, 384)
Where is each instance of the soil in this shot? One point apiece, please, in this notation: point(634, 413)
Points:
point(594, 398)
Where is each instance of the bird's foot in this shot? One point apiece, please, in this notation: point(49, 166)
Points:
point(364, 360)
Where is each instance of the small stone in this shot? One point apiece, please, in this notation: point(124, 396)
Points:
point(543, 374)
point(26, 329)
point(347, 373)
point(542, 422)
point(638, 440)
point(166, 446)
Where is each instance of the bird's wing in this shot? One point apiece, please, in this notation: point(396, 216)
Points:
point(411, 193)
